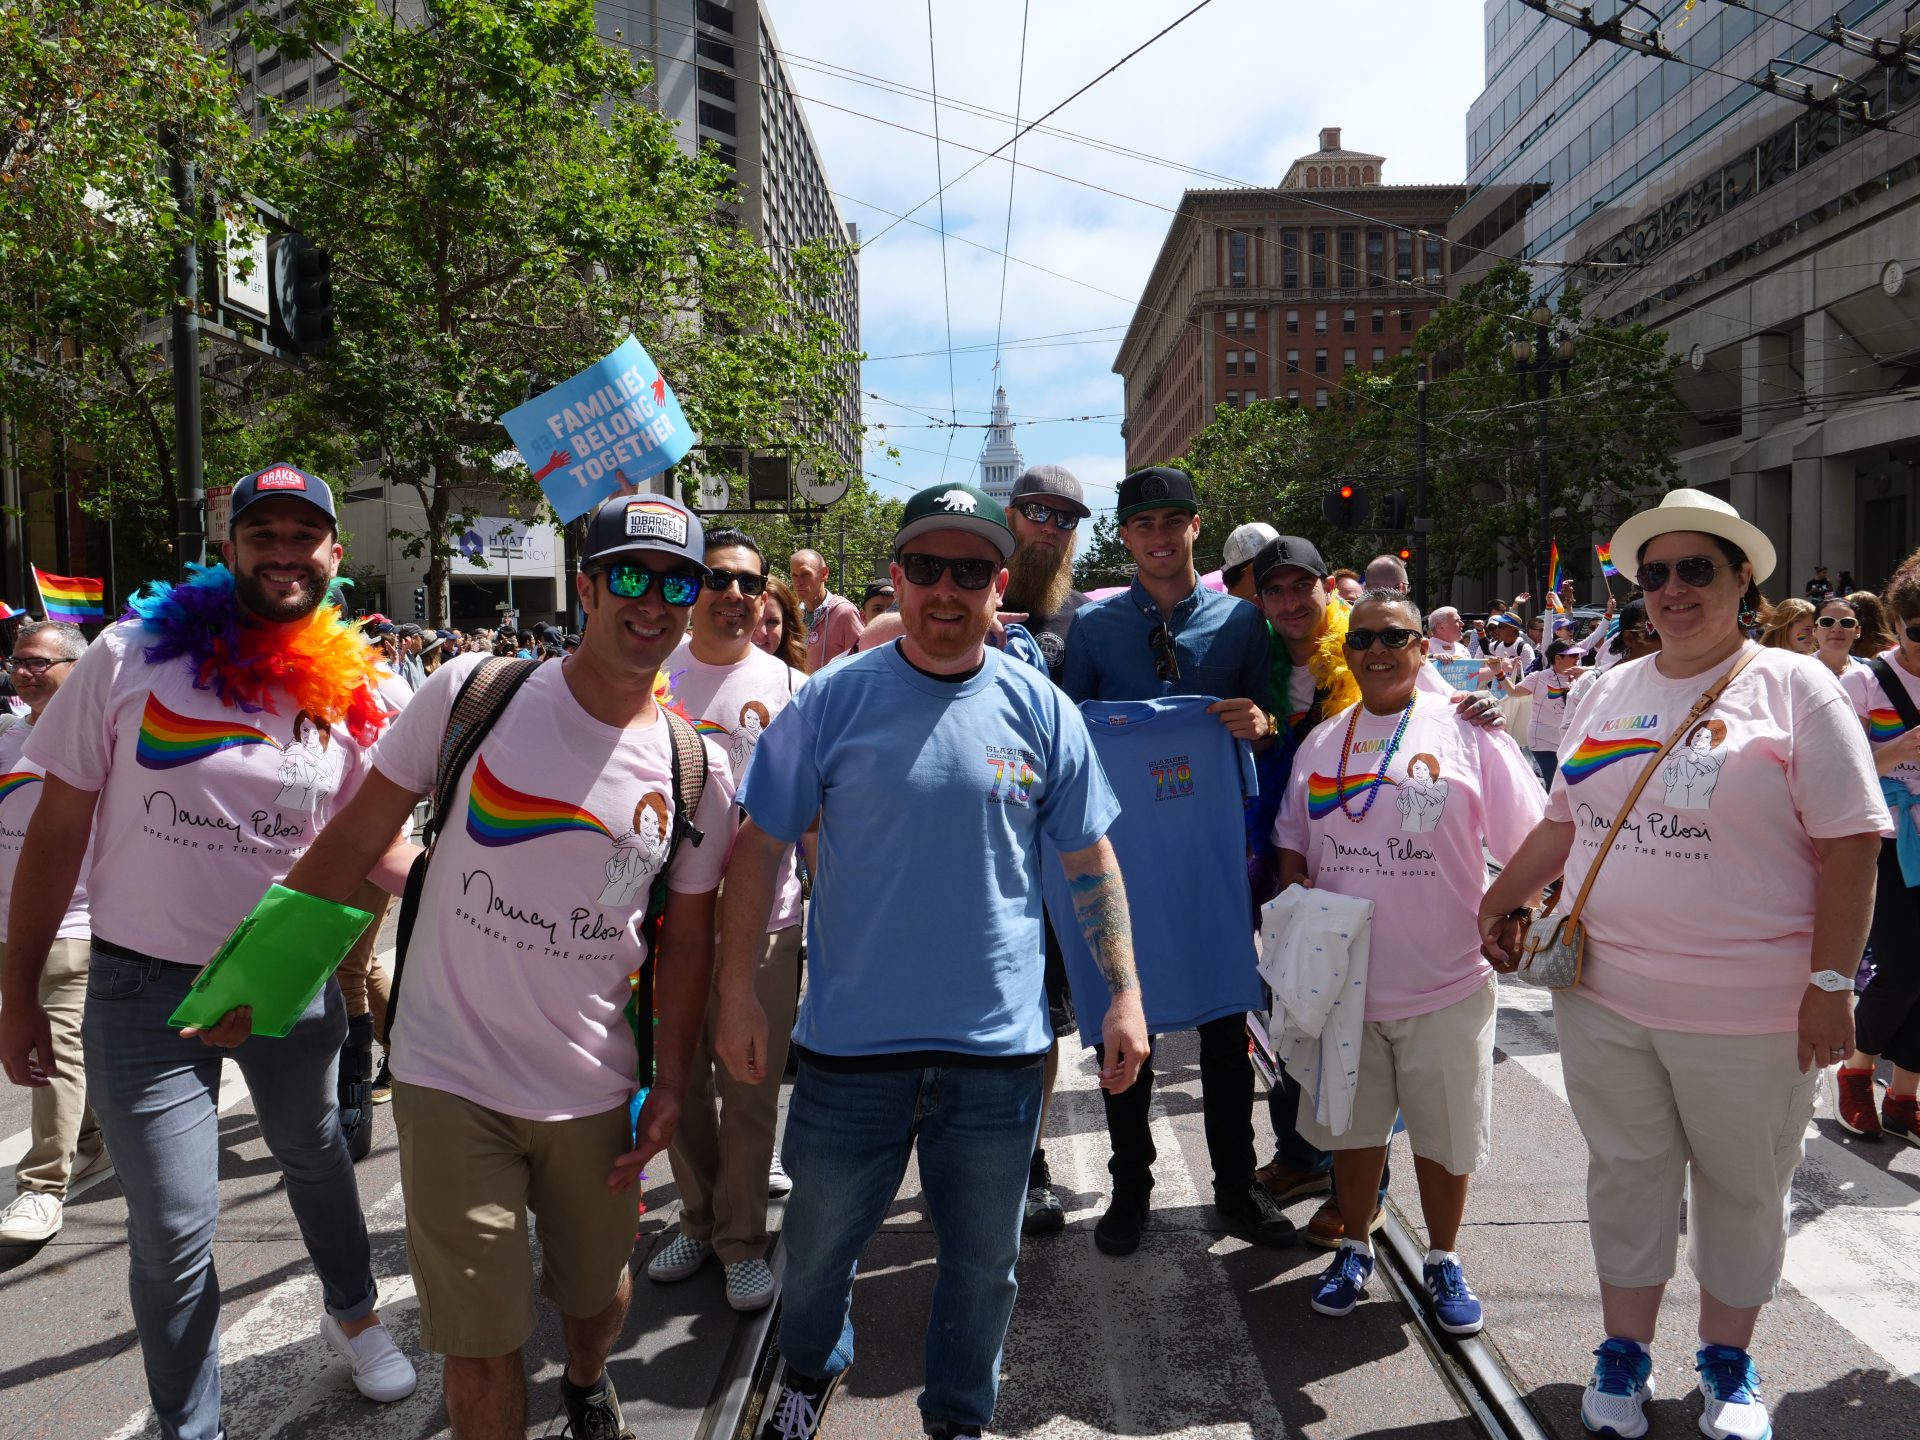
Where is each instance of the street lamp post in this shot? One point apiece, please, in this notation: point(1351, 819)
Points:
point(1540, 359)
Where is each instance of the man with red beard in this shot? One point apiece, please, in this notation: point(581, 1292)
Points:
point(924, 1023)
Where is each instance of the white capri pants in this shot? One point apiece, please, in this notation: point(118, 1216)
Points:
point(1724, 1115)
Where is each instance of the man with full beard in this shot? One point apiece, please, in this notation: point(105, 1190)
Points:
point(179, 725)
point(924, 1023)
point(1044, 513)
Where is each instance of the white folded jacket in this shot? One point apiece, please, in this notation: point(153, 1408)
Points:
point(1313, 956)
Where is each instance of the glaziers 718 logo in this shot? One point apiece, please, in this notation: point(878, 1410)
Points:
point(1013, 775)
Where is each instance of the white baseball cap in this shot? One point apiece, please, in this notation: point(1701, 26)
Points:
point(1245, 542)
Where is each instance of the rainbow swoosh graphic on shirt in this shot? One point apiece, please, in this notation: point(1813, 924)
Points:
point(1884, 725)
point(497, 814)
point(1593, 756)
point(712, 729)
point(18, 780)
point(168, 740)
point(1325, 792)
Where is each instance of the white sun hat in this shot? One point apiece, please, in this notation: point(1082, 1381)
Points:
point(1691, 510)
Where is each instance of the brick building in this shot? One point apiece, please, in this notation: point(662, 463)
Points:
point(1278, 293)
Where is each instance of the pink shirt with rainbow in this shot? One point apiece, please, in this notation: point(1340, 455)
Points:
point(20, 786)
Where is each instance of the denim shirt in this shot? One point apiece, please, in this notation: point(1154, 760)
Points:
point(1221, 645)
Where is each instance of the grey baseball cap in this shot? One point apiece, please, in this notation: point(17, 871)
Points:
point(1245, 542)
point(1051, 482)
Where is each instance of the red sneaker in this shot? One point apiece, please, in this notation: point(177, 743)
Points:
point(1900, 1117)
point(1855, 1103)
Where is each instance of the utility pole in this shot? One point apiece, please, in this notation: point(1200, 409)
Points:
point(189, 486)
point(1539, 360)
point(1422, 527)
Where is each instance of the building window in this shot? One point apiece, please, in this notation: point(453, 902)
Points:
point(1293, 362)
point(1290, 259)
point(1403, 258)
point(1349, 358)
point(718, 16)
point(715, 117)
point(1379, 356)
point(1319, 399)
point(1320, 322)
point(712, 82)
point(1317, 259)
point(1433, 258)
point(1237, 260)
point(1376, 259)
point(1293, 322)
point(1319, 362)
point(1246, 361)
point(1293, 397)
point(1233, 399)
point(1247, 322)
point(1233, 362)
point(1379, 322)
point(1233, 322)
point(718, 51)
point(1406, 349)
point(1348, 320)
point(1346, 259)
point(1406, 321)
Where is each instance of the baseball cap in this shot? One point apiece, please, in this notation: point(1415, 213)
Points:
point(281, 478)
point(1052, 482)
point(409, 630)
point(1159, 487)
point(877, 587)
point(1245, 542)
point(378, 629)
point(1284, 550)
point(637, 524)
point(954, 507)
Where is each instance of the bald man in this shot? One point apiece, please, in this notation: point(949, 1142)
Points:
point(833, 621)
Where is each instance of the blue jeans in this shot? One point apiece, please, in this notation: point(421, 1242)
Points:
point(846, 1146)
point(1291, 1151)
point(156, 1096)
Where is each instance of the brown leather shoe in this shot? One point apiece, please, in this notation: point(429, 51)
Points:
point(1327, 1230)
point(1284, 1184)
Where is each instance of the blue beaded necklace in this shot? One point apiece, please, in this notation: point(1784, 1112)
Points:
point(1379, 776)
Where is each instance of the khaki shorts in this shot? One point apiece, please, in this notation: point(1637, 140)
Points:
point(1437, 1070)
point(1724, 1116)
point(470, 1176)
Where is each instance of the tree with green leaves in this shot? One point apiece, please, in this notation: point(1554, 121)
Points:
point(501, 207)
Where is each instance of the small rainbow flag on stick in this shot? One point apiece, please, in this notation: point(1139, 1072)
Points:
point(73, 598)
point(1607, 567)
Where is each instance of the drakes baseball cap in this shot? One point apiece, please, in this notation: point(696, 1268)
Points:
point(1052, 482)
point(281, 479)
point(637, 524)
point(1160, 487)
point(954, 507)
point(1284, 550)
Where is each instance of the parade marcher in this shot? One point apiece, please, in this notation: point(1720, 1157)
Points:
point(1547, 716)
point(1168, 634)
point(1875, 636)
point(514, 1055)
point(1789, 626)
point(1512, 651)
point(1719, 948)
point(833, 621)
point(1633, 638)
point(1400, 763)
point(1835, 629)
point(64, 1145)
point(876, 600)
point(1886, 693)
point(722, 1152)
point(1819, 587)
point(1347, 584)
point(886, 750)
point(1386, 572)
point(410, 638)
point(781, 633)
point(211, 774)
point(1236, 558)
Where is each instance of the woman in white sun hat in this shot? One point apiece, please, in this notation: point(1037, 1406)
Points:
point(1721, 940)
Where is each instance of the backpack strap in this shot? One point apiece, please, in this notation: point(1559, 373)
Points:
point(689, 781)
point(1896, 692)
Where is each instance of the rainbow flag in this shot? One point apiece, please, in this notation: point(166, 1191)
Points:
point(1555, 577)
point(1607, 567)
point(72, 598)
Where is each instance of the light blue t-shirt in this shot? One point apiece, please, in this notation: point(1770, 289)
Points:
point(924, 933)
point(1180, 778)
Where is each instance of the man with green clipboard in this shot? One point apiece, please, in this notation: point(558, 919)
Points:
point(563, 864)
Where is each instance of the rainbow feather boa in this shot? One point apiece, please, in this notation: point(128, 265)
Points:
point(326, 665)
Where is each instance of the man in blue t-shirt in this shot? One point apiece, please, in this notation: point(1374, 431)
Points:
point(1171, 635)
point(925, 1018)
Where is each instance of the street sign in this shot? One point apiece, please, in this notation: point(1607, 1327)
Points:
point(807, 481)
point(243, 269)
point(711, 493)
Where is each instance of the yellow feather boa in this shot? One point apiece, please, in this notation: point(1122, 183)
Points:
point(1329, 663)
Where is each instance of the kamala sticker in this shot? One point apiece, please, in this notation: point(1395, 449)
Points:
point(655, 521)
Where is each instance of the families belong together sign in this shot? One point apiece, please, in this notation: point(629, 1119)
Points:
point(601, 433)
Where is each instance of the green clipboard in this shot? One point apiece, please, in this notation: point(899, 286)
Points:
point(275, 960)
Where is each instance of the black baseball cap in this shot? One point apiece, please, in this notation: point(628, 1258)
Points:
point(954, 507)
point(281, 478)
point(1051, 482)
point(877, 587)
point(1160, 487)
point(644, 524)
point(1284, 550)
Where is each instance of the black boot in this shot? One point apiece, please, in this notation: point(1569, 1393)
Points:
point(356, 1086)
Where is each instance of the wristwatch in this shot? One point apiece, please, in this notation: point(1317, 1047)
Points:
point(1831, 980)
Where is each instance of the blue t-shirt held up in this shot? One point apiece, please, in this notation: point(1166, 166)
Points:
point(924, 933)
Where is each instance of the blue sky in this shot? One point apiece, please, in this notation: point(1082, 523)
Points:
point(1239, 90)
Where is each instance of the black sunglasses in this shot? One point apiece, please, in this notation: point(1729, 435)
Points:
point(1394, 637)
point(1696, 571)
point(630, 582)
point(1041, 514)
point(1913, 633)
point(1845, 622)
point(750, 584)
point(1166, 656)
point(969, 574)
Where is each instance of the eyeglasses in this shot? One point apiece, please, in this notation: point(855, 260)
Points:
point(1394, 637)
point(1845, 622)
point(632, 582)
point(969, 574)
point(1166, 656)
point(33, 664)
point(751, 585)
point(1696, 572)
point(1041, 514)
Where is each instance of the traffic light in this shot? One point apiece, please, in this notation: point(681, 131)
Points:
point(1393, 510)
point(419, 602)
point(1406, 554)
point(1345, 505)
point(302, 299)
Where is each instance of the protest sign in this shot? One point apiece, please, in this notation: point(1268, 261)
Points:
point(1461, 674)
point(601, 433)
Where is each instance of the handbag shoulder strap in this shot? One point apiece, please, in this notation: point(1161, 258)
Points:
point(1700, 707)
point(1897, 694)
point(483, 697)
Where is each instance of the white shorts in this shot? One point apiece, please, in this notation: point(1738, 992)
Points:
point(1436, 1070)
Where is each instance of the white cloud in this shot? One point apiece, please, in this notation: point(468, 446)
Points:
point(1238, 91)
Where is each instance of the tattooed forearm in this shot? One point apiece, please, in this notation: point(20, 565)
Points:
point(1100, 905)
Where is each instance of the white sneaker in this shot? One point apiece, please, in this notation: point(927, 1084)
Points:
point(380, 1371)
point(1730, 1390)
point(1616, 1399)
point(779, 1183)
point(30, 1219)
point(678, 1259)
point(749, 1285)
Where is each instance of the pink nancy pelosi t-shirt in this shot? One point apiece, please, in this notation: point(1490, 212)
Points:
point(20, 783)
point(1702, 918)
point(529, 922)
point(202, 805)
point(1416, 853)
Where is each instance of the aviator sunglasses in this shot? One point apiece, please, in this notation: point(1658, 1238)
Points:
point(1394, 637)
point(969, 574)
point(1040, 514)
point(631, 582)
point(1696, 572)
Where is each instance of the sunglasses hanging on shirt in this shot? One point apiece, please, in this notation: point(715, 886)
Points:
point(1166, 656)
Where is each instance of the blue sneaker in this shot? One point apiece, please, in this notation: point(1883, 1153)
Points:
point(1455, 1307)
point(1617, 1395)
point(1341, 1284)
point(1730, 1386)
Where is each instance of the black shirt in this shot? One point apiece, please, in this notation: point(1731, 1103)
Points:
point(1050, 632)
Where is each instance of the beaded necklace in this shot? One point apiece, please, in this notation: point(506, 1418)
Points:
point(1379, 777)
